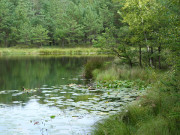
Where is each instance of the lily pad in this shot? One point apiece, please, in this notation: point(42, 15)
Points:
point(52, 117)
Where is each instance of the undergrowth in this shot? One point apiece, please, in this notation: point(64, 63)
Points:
point(156, 113)
point(116, 72)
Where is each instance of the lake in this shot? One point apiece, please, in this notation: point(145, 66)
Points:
point(56, 99)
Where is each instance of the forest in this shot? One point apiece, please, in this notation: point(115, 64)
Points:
point(142, 36)
point(55, 22)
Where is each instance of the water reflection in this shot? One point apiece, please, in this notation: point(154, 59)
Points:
point(49, 94)
point(33, 72)
point(57, 101)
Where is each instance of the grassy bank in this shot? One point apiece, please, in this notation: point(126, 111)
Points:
point(156, 113)
point(51, 51)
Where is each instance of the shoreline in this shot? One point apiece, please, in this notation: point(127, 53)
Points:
point(53, 51)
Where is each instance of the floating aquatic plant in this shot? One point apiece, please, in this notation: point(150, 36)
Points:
point(52, 117)
point(121, 84)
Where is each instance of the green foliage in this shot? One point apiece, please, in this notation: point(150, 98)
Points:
point(146, 29)
point(115, 84)
point(39, 35)
point(64, 22)
point(6, 21)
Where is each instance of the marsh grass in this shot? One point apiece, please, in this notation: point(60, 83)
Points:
point(154, 126)
point(140, 119)
point(123, 123)
point(106, 75)
point(115, 72)
point(51, 51)
point(113, 125)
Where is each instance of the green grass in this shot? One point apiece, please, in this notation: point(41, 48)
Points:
point(111, 126)
point(138, 119)
point(106, 75)
point(137, 74)
point(51, 51)
point(155, 126)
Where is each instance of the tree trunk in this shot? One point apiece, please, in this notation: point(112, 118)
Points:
point(159, 57)
point(63, 42)
point(130, 62)
point(152, 58)
point(116, 52)
point(127, 56)
point(53, 42)
point(140, 56)
point(148, 50)
point(6, 41)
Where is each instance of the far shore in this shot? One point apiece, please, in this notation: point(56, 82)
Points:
point(90, 51)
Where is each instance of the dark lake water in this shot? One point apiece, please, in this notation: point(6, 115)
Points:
point(33, 72)
point(57, 100)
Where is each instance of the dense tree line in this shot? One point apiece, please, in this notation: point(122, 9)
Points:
point(53, 22)
point(139, 31)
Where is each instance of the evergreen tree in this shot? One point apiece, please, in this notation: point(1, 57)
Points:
point(6, 21)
